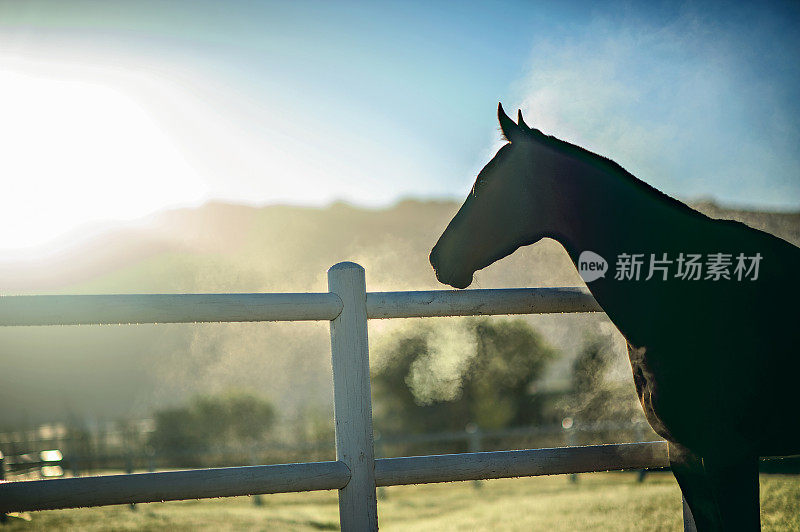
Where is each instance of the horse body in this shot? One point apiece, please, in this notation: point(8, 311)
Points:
point(714, 360)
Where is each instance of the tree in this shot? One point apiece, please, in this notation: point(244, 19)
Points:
point(594, 396)
point(213, 423)
point(444, 376)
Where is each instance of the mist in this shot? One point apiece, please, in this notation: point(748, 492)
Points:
point(110, 372)
point(697, 101)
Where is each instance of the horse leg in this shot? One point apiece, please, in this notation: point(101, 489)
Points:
point(690, 474)
point(735, 486)
point(722, 493)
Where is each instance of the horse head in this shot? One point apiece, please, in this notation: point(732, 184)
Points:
point(502, 211)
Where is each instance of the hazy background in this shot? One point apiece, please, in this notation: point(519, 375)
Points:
point(90, 373)
point(240, 146)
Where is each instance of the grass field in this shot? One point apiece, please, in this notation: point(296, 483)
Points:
point(599, 501)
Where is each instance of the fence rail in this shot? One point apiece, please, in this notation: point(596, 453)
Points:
point(355, 473)
point(285, 478)
point(166, 308)
point(527, 463)
point(310, 306)
point(171, 486)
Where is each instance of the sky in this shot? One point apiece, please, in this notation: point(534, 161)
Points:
point(113, 110)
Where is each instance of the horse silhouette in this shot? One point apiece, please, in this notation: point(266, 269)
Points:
point(708, 307)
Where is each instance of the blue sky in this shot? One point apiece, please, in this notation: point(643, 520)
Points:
point(141, 106)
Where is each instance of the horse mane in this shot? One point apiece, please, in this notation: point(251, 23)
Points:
point(607, 164)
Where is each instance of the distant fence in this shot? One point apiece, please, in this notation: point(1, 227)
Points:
point(355, 472)
point(106, 448)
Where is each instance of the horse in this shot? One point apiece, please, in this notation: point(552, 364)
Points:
point(707, 306)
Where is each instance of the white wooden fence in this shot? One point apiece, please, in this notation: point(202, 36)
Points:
point(355, 472)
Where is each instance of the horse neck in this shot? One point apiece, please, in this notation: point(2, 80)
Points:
point(606, 212)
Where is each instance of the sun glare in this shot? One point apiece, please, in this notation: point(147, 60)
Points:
point(74, 152)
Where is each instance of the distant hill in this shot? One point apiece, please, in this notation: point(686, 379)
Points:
point(108, 372)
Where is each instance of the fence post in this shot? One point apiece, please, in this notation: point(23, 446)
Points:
point(352, 403)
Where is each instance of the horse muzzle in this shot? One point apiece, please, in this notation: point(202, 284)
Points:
point(447, 275)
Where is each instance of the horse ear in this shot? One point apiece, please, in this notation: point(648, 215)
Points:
point(510, 130)
point(520, 122)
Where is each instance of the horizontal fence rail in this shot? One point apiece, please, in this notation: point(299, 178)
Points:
point(527, 463)
point(250, 480)
point(171, 486)
point(166, 308)
point(484, 302)
point(326, 306)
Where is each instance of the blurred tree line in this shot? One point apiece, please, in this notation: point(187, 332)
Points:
point(593, 396)
point(488, 373)
point(234, 420)
point(431, 377)
point(436, 377)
